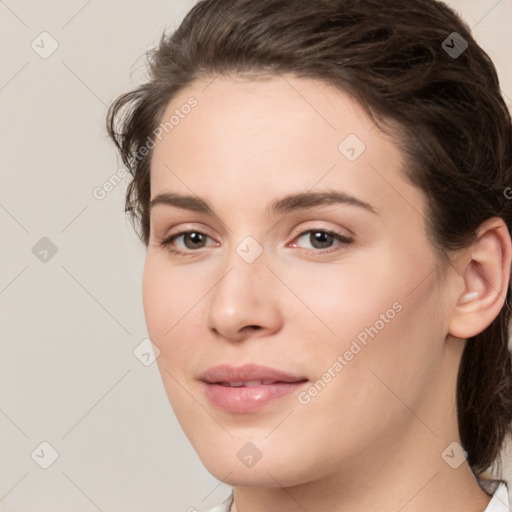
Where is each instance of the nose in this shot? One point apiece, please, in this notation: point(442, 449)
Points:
point(244, 302)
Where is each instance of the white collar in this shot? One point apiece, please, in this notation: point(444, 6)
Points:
point(499, 501)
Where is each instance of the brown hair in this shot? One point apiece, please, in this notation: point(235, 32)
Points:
point(394, 58)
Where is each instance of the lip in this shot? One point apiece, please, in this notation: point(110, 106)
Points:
point(247, 399)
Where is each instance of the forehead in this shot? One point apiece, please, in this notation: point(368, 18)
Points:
point(265, 116)
point(266, 137)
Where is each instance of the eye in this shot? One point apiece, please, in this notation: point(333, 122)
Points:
point(320, 239)
point(190, 241)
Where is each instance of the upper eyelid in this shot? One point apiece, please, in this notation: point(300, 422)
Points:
point(296, 232)
point(336, 231)
point(315, 225)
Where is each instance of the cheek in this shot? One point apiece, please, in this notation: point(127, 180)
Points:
point(359, 398)
point(154, 298)
point(164, 305)
point(340, 300)
point(169, 296)
point(173, 300)
point(382, 317)
point(390, 351)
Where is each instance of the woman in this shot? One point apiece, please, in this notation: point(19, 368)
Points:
point(321, 187)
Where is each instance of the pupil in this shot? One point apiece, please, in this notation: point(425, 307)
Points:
point(320, 240)
point(195, 238)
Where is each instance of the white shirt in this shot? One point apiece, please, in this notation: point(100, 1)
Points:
point(498, 503)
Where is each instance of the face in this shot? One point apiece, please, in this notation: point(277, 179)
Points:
point(301, 249)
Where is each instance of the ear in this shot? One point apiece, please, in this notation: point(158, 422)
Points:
point(485, 271)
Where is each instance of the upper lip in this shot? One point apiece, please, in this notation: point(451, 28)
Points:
point(245, 373)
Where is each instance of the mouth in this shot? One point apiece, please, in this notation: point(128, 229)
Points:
point(253, 383)
point(248, 388)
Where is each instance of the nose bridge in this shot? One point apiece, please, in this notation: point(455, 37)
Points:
point(245, 265)
point(241, 298)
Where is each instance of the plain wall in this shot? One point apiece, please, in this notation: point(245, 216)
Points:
point(70, 321)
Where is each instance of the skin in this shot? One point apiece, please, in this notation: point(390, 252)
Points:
point(373, 438)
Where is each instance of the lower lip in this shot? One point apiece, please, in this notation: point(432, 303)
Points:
point(248, 399)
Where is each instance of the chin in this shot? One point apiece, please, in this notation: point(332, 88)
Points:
point(238, 464)
point(257, 476)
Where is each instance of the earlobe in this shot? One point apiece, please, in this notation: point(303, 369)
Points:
point(485, 274)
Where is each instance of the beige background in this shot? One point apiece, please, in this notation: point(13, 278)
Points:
point(70, 324)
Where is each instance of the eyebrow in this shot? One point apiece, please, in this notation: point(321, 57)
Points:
point(286, 204)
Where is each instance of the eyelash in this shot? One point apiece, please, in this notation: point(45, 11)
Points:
point(344, 240)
